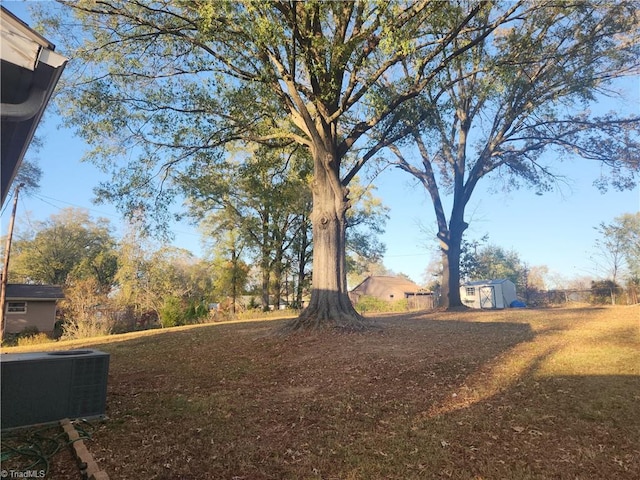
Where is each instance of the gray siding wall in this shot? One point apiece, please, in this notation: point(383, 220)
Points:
point(41, 315)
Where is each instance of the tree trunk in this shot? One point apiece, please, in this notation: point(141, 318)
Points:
point(277, 281)
point(330, 305)
point(449, 235)
point(265, 261)
point(299, 286)
point(266, 278)
point(303, 259)
point(451, 246)
point(234, 280)
point(264, 294)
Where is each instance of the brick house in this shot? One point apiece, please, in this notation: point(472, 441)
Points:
point(390, 289)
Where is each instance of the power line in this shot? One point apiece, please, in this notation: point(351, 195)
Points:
point(42, 199)
point(45, 198)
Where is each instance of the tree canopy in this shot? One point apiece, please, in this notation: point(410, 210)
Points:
point(162, 86)
point(518, 102)
point(69, 245)
point(168, 83)
point(618, 247)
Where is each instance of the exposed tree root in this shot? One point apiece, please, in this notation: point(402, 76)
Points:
point(311, 323)
point(332, 317)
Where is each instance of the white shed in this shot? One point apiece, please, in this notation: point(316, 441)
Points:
point(488, 293)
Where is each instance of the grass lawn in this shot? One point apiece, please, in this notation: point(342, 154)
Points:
point(514, 394)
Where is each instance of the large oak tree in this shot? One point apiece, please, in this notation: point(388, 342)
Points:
point(517, 103)
point(166, 82)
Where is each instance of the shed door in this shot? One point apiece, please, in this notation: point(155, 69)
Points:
point(487, 297)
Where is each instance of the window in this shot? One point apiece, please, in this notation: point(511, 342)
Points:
point(471, 291)
point(16, 307)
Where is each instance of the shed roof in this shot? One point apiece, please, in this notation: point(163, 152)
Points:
point(24, 291)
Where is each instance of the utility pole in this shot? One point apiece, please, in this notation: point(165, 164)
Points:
point(7, 253)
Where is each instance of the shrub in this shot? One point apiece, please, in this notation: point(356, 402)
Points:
point(87, 326)
point(34, 339)
point(368, 303)
point(28, 336)
point(172, 314)
point(605, 291)
point(197, 313)
point(28, 332)
point(86, 311)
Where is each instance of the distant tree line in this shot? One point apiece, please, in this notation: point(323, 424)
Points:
point(259, 257)
point(480, 260)
point(617, 257)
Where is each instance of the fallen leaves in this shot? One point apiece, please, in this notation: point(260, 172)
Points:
point(362, 406)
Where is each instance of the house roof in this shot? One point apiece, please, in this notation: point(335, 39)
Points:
point(379, 284)
point(21, 291)
point(30, 71)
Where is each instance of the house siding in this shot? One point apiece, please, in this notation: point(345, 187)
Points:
point(39, 314)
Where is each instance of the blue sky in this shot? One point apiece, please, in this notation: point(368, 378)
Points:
point(555, 229)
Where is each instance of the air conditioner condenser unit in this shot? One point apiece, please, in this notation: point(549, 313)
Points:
point(46, 387)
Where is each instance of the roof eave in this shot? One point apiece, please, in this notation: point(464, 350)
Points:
point(30, 52)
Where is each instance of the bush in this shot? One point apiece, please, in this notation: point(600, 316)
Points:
point(605, 291)
point(85, 311)
point(28, 336)
point(34, 339)
point(197, 313)
point(86, 327)
point(368, 303)
point(28, 332)
point(172, 314)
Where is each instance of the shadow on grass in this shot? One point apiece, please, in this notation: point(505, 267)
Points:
point(230, 401)
point(432, 396)
point(563, 427)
